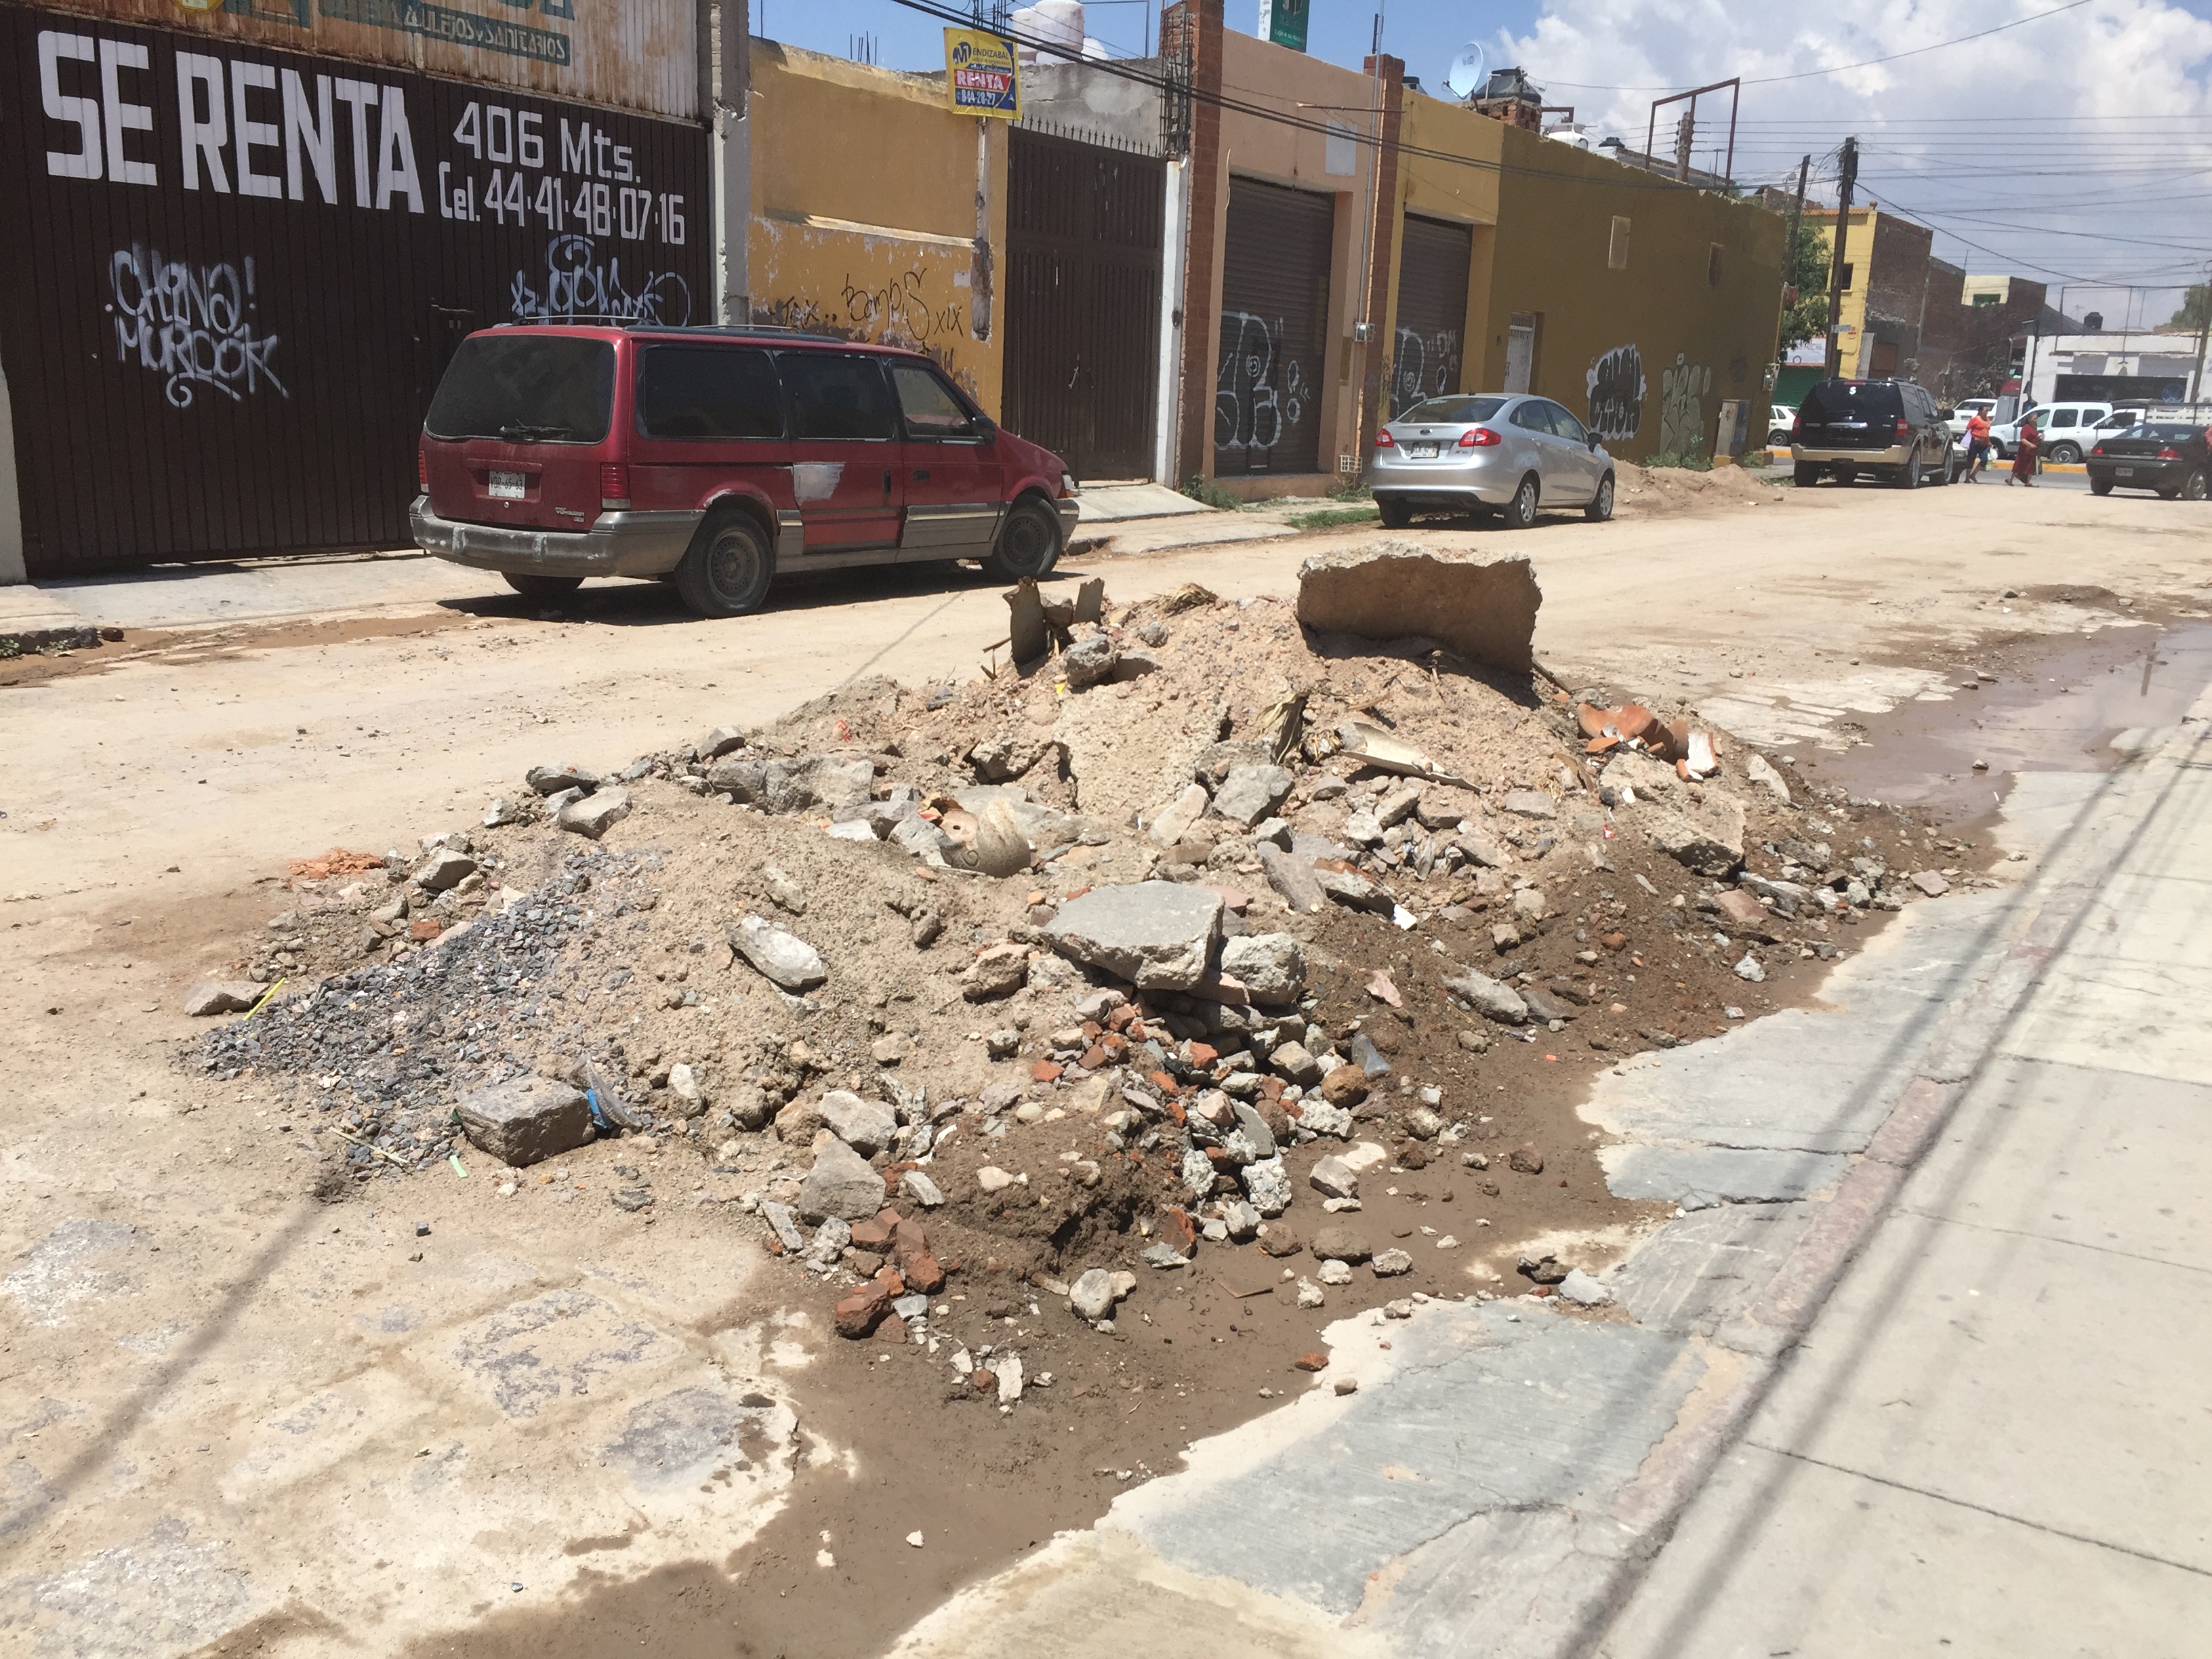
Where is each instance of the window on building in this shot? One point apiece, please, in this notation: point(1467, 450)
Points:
point(1713, 265)
point(1984, 299)
point(1847, 278)
point(1616, 252)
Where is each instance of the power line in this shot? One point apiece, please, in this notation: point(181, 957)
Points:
point(1845, 69)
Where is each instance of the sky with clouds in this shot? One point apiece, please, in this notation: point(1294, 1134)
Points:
point(2075, 149)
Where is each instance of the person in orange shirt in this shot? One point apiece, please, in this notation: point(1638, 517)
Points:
point(1977, 443)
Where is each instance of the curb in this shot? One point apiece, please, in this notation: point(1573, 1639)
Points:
point(1680, 1465)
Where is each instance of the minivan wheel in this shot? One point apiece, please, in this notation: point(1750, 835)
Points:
point(543, 590)
point(727, 570)
point(1521, 511)
point(1029, 545)
point(1601, 505)
point(1395, 515)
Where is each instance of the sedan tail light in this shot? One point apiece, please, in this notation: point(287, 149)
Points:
point(1480, 438)
point(2169, 454)
point(614, 486)
point(1384, 440)
point(422, 470)
point(2098, 450)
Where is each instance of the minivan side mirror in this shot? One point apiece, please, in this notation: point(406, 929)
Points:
point(986, 428)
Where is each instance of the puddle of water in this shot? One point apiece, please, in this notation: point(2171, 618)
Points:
point(2055, 711)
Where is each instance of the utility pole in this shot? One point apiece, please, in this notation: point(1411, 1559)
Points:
point(1790, 246)
point(731, 76)
point(2204, 332)
point(1847, 175)
point(1686, 132)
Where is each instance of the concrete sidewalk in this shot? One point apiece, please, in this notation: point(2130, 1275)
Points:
point(1993, 1439)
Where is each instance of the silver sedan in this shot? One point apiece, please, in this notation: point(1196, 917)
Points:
point(1504, 452)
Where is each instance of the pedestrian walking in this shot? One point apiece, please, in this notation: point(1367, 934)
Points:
point(2023, 453)
point(1977, 443)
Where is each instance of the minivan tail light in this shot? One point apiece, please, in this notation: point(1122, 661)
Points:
point(1480, 438)
point(421, 469)
point(1384, 440)
point(614, 486)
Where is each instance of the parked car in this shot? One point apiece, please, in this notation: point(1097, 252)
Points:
point(2163, 456)
point(1964, 410)
point(2113, 426)
point(2062, 426)
point(1502, 452)
point(719, 460)
point(1780, 417)
point(1890, 429)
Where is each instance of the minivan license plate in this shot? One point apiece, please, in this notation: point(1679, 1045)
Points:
point(2123, 472)
point(1424, 451)
point(506, 486)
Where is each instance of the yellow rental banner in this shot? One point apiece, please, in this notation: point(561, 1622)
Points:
point(981, 72)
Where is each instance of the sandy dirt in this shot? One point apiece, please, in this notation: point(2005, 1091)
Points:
point(239, 1415)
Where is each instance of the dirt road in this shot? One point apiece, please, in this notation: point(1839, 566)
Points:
point(234, 1412)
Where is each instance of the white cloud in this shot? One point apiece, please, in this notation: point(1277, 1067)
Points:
point(2097, 121)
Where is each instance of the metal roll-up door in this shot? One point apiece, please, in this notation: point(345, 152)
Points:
point(1274, 330)
point(1426, 346)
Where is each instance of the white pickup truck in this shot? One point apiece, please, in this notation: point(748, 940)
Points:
point(2066, 430)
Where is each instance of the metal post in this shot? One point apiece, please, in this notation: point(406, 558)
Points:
point(1847, 175)
point(979, 271)
point(733, 160)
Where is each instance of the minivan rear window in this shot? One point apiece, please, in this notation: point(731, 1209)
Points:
point(526, 388)
point(708, 391)
point(1453, 411)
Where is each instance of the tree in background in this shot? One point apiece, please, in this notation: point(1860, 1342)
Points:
point(1806, 269)
point(2196, 306)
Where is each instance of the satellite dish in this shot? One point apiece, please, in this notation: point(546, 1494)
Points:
point(1465, 76)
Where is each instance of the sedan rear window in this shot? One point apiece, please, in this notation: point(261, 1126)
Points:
point(2160, 432)
point(708, 391)
point(1842, 400)
point(1457, 410)
point(526, 388)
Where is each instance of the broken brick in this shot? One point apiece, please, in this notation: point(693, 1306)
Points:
point(1312, 1362)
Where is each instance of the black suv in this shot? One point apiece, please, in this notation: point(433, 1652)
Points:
point(1889, 428)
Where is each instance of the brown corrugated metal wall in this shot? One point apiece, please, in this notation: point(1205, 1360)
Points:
point(198, 372)
point(1274, 330)
point(1431, 317)
point(1083, 232)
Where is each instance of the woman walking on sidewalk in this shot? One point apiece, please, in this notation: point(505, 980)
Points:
point(2023, 455)
point(1978, 444)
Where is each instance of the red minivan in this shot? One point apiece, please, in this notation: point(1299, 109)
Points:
point(719, 459)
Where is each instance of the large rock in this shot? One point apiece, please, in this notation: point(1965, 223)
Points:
point(1487, 997)
point(1270, 967)
point(1483, 607)
point(1707, 838)
point(216, 996)
point(863, 1125)
point(1158, 935)
point(1179, 814)
point(1089, 661)
point(1292, 877)
point(595, 815)
point(840, 1184)
point(1340, 1243)
point(1249, 794)
point(784, 957)
point(552, 780)
point(812, 783)
point(525, 1119)
point(445, 868)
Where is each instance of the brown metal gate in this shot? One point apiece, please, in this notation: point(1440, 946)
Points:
point(223, 321)
point(1426, 347)
point(1274, 330)
point(1084, 227)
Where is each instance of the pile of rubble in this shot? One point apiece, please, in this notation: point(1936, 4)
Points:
point(1199, 935)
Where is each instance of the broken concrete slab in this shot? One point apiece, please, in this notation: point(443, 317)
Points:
point(215, 996)
point(865, 1126)
point(526, 1119)
point(840, 1184)
point(1249, 794)
point(1488, 998)
point(1707, 838)
point(1158, 935)
point(782, 957)
point(1484, 608)
point(1178, 814)
point(1699, 1177)
point(1292, 877)
point(595, 815)
point(1271, 966)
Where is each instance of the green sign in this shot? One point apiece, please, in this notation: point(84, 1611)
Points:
point(1284, 21)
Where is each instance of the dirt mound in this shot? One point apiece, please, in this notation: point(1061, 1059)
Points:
point(1654, 491)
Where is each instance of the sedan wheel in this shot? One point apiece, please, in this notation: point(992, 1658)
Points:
point(1601, 505)
point(2193, 488)
point(1521, 511)
point(2101, 486)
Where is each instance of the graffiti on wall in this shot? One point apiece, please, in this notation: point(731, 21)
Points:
point(1422, 366)
point(1616, 387)
point(1681, 407)
point(579, 286)
point(883, 292)
point(190, 325)
point(1257, 397)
